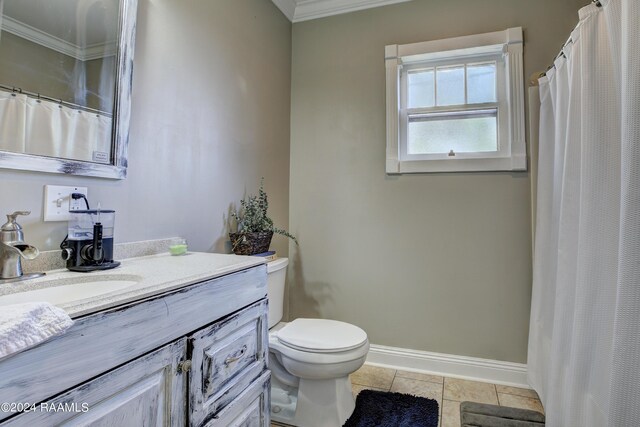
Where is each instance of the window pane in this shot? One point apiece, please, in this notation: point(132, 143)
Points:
point(481, 83)
point(420, 89)
point(442, 134)
point(450, 85)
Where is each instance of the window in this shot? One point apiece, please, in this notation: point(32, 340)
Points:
point(456, 104)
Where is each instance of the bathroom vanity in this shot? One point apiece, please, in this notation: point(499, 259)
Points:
point(185, 344)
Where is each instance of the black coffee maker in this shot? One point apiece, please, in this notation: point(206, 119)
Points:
point(89, 244)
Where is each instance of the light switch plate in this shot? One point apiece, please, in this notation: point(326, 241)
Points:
point(58, 202)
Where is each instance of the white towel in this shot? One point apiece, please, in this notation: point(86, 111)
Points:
point(25, 325)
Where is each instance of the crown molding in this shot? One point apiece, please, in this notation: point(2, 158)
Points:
point(304, 10)
point(37, 36)
point(288, 7)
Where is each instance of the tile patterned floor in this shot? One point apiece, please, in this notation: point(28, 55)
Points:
point(448, 392)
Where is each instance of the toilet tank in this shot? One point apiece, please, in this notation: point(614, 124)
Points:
point(276, 275)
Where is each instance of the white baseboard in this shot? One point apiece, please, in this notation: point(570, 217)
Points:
point(449, 365)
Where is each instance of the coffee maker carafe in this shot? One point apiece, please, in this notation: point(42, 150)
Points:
point(89, 243)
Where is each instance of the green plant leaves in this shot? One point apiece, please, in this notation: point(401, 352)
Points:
point(252, 215)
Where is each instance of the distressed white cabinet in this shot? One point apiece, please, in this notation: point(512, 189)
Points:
point(196, 356)
point(226, 358)
point(145, 392)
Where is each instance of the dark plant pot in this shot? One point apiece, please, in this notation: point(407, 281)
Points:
point(250, 243)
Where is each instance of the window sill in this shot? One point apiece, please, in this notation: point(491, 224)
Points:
point(513, 163)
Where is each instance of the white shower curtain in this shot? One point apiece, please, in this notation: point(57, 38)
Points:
point(584, 345)
point(12, 121)
point(50, 128)
point(56, 130)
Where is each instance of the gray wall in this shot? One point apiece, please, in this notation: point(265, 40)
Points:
point(211, 99)
point(435, 262)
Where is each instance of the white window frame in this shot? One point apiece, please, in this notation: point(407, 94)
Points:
point(503, 47)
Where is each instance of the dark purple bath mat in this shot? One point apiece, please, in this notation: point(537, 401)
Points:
point(387, 409)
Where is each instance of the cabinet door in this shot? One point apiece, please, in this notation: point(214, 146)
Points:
point(149, 391)
point(226, 358)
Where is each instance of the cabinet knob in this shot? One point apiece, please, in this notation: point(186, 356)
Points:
point(184, 366)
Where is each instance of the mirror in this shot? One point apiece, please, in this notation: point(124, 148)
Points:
point(65, 85)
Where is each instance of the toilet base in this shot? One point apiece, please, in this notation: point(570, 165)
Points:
point(315, 403)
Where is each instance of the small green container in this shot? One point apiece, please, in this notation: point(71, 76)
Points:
point(178, 248)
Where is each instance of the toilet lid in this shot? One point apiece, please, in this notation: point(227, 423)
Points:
point(321, 335)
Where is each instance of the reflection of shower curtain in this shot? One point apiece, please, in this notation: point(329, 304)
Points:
point(58, 131)
point(94, 133)
point(12, 121)
point(584, 345)
point(49, 128)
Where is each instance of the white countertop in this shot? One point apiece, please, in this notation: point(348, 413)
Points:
point(155, 274)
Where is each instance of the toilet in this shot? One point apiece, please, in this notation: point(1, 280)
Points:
point(310, 362)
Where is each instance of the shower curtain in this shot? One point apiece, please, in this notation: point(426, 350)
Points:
point(12, 121)
point(45, 128)
point(50, 129)
point(54, 130)
point(584, 345)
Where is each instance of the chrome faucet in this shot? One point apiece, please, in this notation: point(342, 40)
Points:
point(13, 249)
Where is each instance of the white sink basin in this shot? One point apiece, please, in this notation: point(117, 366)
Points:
point(64, 291)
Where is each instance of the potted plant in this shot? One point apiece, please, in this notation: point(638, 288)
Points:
point(255, 228)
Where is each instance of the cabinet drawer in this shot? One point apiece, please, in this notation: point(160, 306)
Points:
point(249, 409)
point(226, 358)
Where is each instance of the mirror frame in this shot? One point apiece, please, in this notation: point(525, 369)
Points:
point(117, 168)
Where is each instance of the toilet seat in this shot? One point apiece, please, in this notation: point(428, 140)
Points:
point(349, 342)
point(321, 336)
